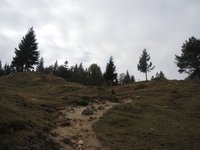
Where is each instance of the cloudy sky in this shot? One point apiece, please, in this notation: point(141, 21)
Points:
point(90, 31)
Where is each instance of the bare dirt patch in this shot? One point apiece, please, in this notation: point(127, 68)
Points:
point(74, 128)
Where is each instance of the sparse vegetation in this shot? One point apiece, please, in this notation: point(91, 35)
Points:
point(162, 115)
point(29, 104)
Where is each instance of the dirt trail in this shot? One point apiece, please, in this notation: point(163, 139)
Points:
point(74, 130)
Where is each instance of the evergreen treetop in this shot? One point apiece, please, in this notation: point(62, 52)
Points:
point(127, 78)
point(110, 74)
point(27, 54)
point(95, 75)
point(40, 66)
point(189, 60)
point(143, 65)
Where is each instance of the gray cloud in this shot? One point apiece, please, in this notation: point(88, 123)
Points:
point(91, 31)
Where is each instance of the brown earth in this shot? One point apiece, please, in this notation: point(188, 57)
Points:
point(78, 133)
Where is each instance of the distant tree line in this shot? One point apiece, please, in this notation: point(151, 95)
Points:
point(159, 76)
point(89, 76)
point(27, 56)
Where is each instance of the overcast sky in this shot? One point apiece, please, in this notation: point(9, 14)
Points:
point(90, 31)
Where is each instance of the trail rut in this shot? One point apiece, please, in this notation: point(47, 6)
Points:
point(74, 130)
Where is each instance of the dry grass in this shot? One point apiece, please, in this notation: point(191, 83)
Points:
point(29, 104)
point(163, 115)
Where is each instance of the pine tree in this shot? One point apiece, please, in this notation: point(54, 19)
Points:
point(127, 78)
point(40, 66)
point(95, 75)
point(189, 61)
point(132, 79)
point(7, 69)
point(55, 68)
point(66, 64)
point(27, 55)
point(159, 76)
point(110, 75)
point(1, 69)
point(63, 71)
point(162, 76)
point(143, 65)
point(81, 74)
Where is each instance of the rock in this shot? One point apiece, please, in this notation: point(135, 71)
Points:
point(65, 122)
point(101, 107)
point(67, 141)
point(79, 146)
point(93, 108)
point(69, 109)
point(88, 111)
point(92, 118)
point(80, 142)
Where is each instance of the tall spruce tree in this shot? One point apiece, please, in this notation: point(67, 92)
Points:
point(27, 54)
point(189, 61)
point(110, 74)
point(143, 65)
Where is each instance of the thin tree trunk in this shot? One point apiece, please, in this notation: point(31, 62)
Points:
point(146, 76)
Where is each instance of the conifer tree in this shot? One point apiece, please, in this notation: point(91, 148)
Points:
point(26, 56)
point(132, 79)
point(55, 67)
point(143, 65)
point(110, 75)
point(127, 78)
point(189, 61)
point(159, 76)
point(7, 69)
point(95, 75)
point(1, 69)
point(162, 76)
point(63, 71)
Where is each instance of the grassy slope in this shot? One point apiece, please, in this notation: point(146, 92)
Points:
point(29, 103)
point(163, 115)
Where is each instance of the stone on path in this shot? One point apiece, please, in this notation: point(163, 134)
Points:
point(88, 111)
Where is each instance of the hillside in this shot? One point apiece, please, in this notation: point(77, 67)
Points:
point(160, 115)
point(30, 104)
point(35, 113)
